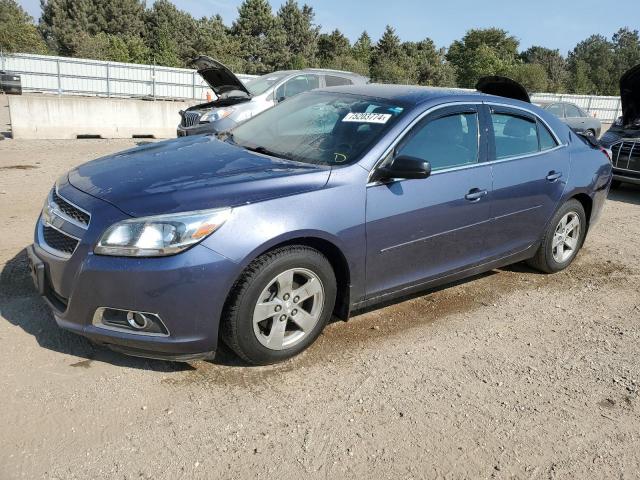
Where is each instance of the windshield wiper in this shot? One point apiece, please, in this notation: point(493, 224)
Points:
point(266, 151)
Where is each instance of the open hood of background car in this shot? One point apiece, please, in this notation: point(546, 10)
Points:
point(220, 78)
point(503, 87)
point(630, 94)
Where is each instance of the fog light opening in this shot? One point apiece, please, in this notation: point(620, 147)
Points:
point(130, 321)
point(137, 320)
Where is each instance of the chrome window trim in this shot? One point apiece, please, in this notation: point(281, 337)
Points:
point(59, 213)
point(429, 111)
point(96, 321)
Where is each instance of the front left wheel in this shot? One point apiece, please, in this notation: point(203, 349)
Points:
point(280, 305)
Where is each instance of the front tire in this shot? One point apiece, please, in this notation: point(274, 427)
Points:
point(562, 240)
point(280, 305)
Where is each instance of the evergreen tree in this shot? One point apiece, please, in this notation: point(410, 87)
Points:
point(363, 48)
point(626, 48)
point(554, 64)
point(484, 52)
point(254, 25)
point(170, 34)
point(300, 34)
point(17, 31)
point(592, 65)
point(332, 48)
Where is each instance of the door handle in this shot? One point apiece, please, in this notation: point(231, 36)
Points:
point(554, 176)
point(475, 194)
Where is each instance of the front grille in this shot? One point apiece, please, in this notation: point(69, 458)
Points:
point(626, 155)
point(70, 210)
point(58, 240)
point(189, 119)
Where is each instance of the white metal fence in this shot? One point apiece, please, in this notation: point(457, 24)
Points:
point(606, 109)
point(62, 75)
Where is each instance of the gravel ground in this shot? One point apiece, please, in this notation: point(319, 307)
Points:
point(512, 374)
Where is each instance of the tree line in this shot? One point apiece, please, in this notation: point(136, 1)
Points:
point(261, 41)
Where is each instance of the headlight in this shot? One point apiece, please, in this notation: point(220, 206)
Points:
point(160, 235)
point(618, 122)
point(216, 114)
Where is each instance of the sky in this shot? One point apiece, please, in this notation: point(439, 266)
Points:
point(557, 24)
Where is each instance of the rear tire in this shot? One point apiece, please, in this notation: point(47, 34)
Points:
point(280, 305)
point(562, 239)
point(590, 133)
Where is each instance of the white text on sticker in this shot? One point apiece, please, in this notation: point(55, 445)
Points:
point(367, 117)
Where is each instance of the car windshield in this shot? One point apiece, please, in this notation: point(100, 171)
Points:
point(323, 128)
point(257, 86)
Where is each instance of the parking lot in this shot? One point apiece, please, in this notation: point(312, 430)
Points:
point(512, 374)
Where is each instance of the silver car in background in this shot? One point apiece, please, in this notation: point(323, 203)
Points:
point(571, 114)
point(237, 101)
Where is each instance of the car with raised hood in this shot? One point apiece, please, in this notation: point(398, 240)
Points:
point(330, 202)
point(574, 116)
point(237, 101)
point(623, 138)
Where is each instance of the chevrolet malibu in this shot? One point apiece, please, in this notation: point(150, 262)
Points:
point(332, 201)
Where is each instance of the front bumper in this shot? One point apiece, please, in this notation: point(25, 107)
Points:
point(626, 176)
point(187, 291)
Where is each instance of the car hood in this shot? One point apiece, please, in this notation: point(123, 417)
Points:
point(192, 173)
point(220, 78)
point(503, 87)
point(630, 95)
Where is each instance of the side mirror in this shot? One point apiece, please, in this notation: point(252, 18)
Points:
point(404, 167)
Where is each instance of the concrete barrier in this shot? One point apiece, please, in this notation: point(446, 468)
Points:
point(66, 117)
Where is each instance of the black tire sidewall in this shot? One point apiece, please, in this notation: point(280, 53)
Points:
point(246, 339)
point(570, 206)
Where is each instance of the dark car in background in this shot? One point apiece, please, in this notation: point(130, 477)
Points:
point(623, 138)
point(10, 83)
point(330, 202)
point(238, 101)
point(574, 116)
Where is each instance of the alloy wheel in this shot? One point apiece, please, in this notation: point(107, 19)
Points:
point(288, 309)
point(566, 237)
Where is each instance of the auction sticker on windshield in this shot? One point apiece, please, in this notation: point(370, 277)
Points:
point(367, 117)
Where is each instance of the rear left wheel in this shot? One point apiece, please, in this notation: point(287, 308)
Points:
point(563, 238)
point(280, 305)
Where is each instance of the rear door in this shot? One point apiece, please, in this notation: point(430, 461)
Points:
point(530, 170)
point(423, 229)
point(574, 117)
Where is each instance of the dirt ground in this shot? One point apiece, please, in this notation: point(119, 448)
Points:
point(512, 374)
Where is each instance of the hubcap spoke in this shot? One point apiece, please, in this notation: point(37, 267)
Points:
point(308, 290)
point(304, 320)
point(276, 335)
point(265, 310)
point(285, 282)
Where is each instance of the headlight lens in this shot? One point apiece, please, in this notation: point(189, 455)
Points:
point(160, 235)
point(216, 114)
point(618, 122)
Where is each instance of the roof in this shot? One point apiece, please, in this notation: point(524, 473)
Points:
point(403, 93)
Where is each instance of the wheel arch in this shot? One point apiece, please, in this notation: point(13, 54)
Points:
point(587, 203)
point(329, 249)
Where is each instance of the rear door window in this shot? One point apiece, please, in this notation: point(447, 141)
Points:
point(514, 135)
point(334, 81)
point(556, 109)
point(445, 142)
point(296, 85)
point(547, 142)
point(571, 111)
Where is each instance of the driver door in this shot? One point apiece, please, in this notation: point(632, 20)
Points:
point(419, 230)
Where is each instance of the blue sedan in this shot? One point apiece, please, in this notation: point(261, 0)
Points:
point(332, 201)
